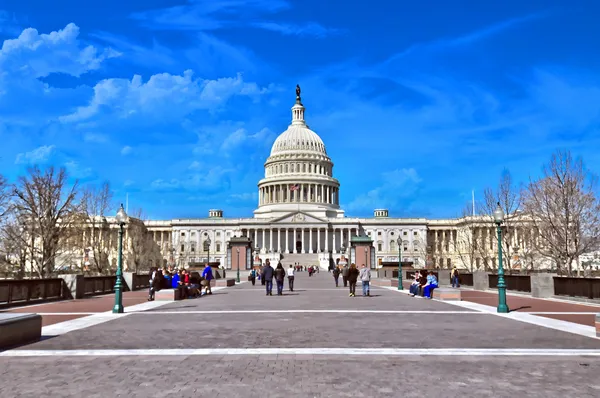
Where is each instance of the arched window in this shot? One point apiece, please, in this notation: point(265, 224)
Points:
point(393, 245)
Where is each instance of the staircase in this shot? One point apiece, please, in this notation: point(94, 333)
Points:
point(306, 259)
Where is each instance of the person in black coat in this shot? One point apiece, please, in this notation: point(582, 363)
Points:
point(267, 277)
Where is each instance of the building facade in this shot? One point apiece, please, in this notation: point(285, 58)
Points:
point(299, 219)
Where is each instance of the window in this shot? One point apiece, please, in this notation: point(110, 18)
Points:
point(228, 234)
point(415, 233)
point(392, 245)
point(193, 235)
point(379, 233)
point(182, 247)
point(391, 233)
point(369, 233)
point(379, 247)
point(183, 234)
point(218, 247)
point(405, 233)
point(218, 234)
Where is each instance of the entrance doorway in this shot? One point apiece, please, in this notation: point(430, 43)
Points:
point(298, 246)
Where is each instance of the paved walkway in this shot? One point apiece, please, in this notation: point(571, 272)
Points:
point(314, 342)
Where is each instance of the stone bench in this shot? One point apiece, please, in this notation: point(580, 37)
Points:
point(19, 329)
point(447, 294)
point(222, 282)
point(169, 295)
point(598, 325)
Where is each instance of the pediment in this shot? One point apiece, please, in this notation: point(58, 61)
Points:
point(298, 217)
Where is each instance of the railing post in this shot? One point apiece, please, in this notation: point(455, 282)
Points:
point(481, 280)
point(130, 278)
point(542, 285)
point(73, 285)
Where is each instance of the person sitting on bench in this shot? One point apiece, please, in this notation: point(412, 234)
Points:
point(414, 286)
point(430, 285)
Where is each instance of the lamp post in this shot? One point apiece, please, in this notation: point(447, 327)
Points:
point(366, 257)
point(208, 249)
point(400, 287)
point(121, 219)
point(238, 265)
point(498, 219)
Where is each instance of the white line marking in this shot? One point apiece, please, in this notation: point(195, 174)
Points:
point(478, 352)
point(96, 319)
point(175, 312)
point(563, 326)
point(555, 313)
point(66, 313)
point(517, 294)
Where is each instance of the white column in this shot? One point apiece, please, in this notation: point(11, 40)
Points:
point(326, 239)
point(287, 240)
point(334, 247)
point(264, 245)
point(319, 240)
point(310, 242)
point(271, 239)
point(302, 239)
point(255, 237)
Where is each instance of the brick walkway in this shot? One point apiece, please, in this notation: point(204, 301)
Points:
point(66, 310)
point(314, 342)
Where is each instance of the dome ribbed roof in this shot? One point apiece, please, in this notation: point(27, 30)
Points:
point(298, 137)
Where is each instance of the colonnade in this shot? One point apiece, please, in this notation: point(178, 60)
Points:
point(301, 239)
point(306, 193)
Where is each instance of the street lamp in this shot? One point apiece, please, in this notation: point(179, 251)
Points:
point(498, 219)
point(366, 257)
point(400, 287)
point(121, 219)
point(208, 248)
point(238, 265)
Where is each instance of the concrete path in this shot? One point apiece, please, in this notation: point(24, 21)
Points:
point(313, 342)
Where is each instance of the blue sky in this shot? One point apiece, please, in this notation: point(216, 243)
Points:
point(177, 103)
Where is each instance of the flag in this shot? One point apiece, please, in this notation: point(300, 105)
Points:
point(294, 187)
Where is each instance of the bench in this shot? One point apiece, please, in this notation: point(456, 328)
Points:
point(598, 325)
point(169, 295)
point(19, 329)
point(447, 294)
point(222, 282)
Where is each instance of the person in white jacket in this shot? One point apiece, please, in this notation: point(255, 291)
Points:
point(290, 275)
point(365, 278)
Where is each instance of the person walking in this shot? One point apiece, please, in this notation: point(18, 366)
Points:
point(365, 278)
point(345, 269)
point(267, 278)
point(279, 278)
point(336, 275)
point(252, 276)
point(207, 274)
point(153, 281)
point(291, 277)
point(352, 278)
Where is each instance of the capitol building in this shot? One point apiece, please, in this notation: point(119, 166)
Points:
point(298, 218)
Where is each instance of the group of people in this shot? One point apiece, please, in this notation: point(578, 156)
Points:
point(267, 273)
point(423, 285)
point(350, 275)
point(191, 283)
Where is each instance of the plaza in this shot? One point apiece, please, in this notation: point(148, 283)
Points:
point(313, 342)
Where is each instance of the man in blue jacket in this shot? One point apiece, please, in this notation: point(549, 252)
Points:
point(208, 276)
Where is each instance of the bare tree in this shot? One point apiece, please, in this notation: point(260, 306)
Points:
point(142, 251)
point(509, 197)
point(96, 204)
point(14, 241)
point(50, 211)
point(565, 210)
point(4, 197)
point(468, 245)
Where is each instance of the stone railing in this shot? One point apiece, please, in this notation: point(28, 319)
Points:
point(31, 291)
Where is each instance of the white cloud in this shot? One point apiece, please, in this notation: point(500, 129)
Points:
point(38, 155)
point(195, 165)
point(241, 136)
point(126, 150)
point(96, 138)
point(35, 55)
point(128, 183)
point(309, 29)
point(396, 184)
point(216, 178)
point(75, 170)
point(244, 197)
point(163, 95)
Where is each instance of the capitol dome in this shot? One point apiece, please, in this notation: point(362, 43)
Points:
point(298, 173)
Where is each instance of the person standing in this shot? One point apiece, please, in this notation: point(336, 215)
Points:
point(365, 278)
point(291, 277)
point(352, 278)
point(455, 277)
point(267, 278)
point(151, 290)
point(252, 276)
point(345, 274)
point(336, 275)
point(279, 278)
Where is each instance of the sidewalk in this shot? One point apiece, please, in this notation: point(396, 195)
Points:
point(66, 310)
point(563, 310)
